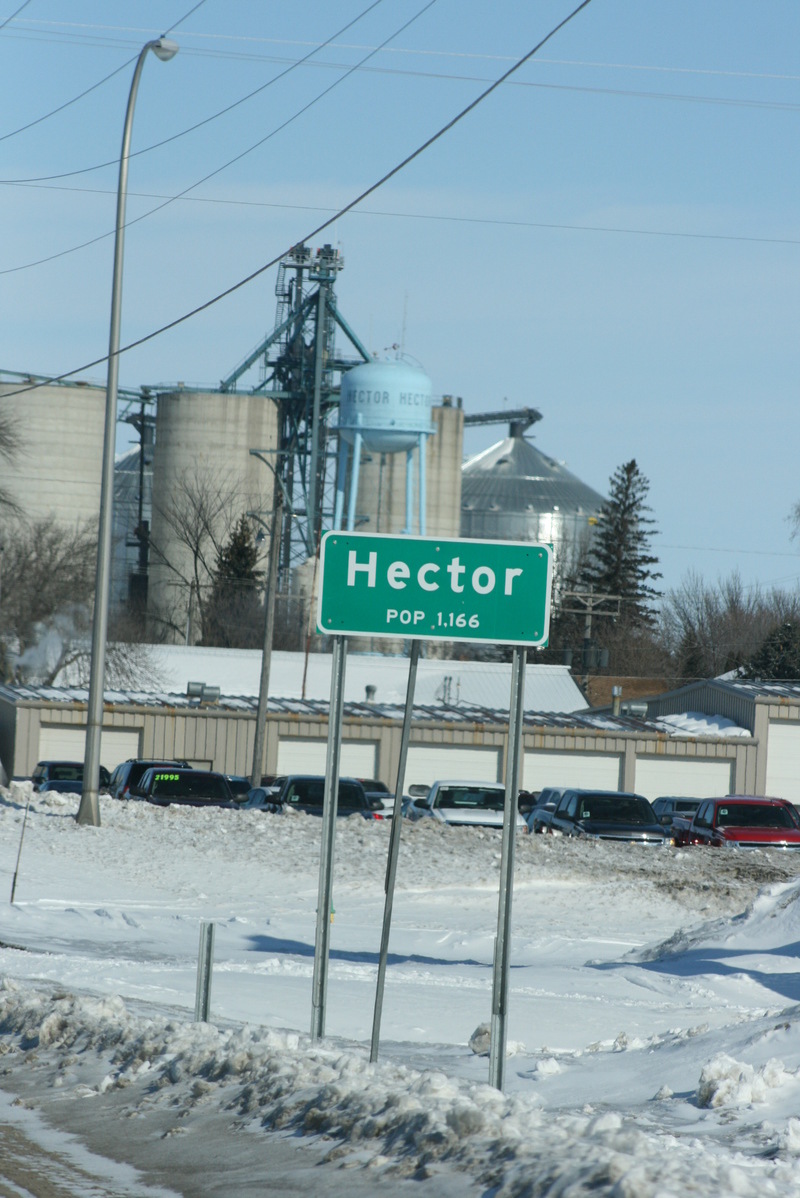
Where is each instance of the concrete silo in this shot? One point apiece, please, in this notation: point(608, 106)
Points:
point(203, 471)
point(56, 473)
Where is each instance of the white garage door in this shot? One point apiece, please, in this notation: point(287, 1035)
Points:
point(427, 763)
point(69, 744)
point(783, 761)
point(600, 771)
point(308, 757)
point(670, 776)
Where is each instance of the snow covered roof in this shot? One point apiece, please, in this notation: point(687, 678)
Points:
point(297, 676)
point(464, 713)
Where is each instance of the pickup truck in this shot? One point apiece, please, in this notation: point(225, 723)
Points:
point(480, 804)
point(740, 821)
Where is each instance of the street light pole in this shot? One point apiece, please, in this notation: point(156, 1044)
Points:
point(89, 809)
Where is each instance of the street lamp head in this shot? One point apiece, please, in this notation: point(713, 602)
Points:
point(164, 49)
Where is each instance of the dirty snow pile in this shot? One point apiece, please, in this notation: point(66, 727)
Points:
point(654, 1017)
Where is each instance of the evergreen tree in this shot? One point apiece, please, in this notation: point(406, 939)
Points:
point(233, 618)
point(779, 655)
point(620, 562)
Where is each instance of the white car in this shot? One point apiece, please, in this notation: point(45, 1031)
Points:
point(453, 802)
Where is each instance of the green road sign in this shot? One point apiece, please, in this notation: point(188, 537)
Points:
point(429, 588)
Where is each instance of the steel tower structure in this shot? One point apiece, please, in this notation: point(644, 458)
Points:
point(300, 371)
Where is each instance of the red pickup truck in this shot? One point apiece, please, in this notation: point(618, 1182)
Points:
point(741, 821)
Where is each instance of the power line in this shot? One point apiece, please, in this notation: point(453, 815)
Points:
point(94, 86)
point(390, 174)
point(447, 218)
point(675, 97)
point(237, 157)
point(16, 13)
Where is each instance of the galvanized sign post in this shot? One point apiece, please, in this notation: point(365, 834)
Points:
point(330, 803)
point(430, 588)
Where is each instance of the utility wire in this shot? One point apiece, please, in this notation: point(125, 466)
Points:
point(94, 87)
point(214, 116)
point(244, 153)
point(443, 218)
point(8, 20)
point(390, 174)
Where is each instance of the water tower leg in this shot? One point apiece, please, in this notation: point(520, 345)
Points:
point(423, 483)
point(341, 483)
point(351, 507)
point(409, 528)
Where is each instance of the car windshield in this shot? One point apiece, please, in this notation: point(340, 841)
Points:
point(616, 809)
point(66, 773)
point(475, 797)
point(200, 786)
point(309, 792)
point(754, 815)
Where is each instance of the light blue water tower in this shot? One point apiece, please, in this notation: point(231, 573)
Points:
point(386, 408)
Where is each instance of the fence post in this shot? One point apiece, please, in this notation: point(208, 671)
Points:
point(205, 960)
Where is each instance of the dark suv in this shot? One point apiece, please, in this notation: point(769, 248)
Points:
point(304, 792)
point(128, 774)
point(163, 785)
point(63, 771)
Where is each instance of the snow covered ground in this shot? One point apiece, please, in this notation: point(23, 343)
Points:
point(654, 1019)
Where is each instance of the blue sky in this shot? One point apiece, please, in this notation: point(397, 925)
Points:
point(613, 236)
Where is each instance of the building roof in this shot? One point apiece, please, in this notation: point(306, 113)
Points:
point(463, 713)
point(513, 475)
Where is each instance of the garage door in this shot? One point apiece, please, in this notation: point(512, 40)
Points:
point(308, 757)
point(670, 776)
point(427, 763)
point(69, 744)
point(599, 771)
point(783, 761)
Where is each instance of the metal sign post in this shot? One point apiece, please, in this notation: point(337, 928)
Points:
point(330, 803)
point(429, 588)
point(394, 850)
point(502, 945)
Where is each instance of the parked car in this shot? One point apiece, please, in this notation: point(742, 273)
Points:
point(375, 789)
point(546, 801)
point(128, 773)
point(743, 821)
point(64, 771)
point(304, 792)
point(606, 815)
point(672, 808)
point(64, 786)
point(480, 804)
point(164, 785)
point(260, 798)
point(240, 786)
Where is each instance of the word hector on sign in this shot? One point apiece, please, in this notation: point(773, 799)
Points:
point(398, 573)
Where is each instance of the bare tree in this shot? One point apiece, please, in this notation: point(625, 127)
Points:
point(46, 609)
point(9, 448)
point(200, 515)
point(709, 630)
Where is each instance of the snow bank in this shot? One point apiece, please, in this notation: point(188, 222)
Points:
point(398, 1120)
